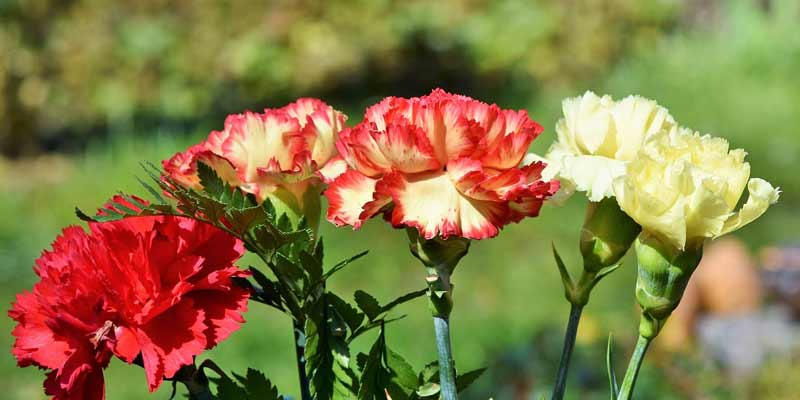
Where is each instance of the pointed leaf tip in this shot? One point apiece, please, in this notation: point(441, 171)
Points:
point(562, 270)
point(612, 376)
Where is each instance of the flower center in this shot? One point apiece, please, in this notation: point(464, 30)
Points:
point(101, 334)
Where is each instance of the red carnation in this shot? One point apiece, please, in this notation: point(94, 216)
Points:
point(158, 288)
point(444, 164)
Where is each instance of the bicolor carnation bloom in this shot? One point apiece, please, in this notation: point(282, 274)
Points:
point(683, 188)
point(271, 155)
point(597, 137)
point(153, 290)
point(445, 164)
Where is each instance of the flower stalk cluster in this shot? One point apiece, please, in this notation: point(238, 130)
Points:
point(652, 182)
point(155, 284)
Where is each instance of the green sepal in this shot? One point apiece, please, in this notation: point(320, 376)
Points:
point(663, 273)
point(606, 235)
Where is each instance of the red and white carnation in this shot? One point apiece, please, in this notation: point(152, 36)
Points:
point(445, 164)
point(262, 153)
point(155, 290)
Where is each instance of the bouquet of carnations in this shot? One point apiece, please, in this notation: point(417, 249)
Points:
point(155, 283)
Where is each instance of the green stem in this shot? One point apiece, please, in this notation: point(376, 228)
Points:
point(626, 391)
point(447, 373)
point(566, 353)
point(441, 302)
point(300, 350)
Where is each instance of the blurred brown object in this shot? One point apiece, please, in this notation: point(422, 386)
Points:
point(725, 283)
point(781, 274)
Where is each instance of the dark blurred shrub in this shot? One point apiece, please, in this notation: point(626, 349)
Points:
point(72, 67)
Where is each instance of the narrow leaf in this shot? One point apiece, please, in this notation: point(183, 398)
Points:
point(403, 299)
point(562, 269)
point(612, 376)
point(464, 380)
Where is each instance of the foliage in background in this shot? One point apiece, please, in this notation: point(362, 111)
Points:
point(69, 69)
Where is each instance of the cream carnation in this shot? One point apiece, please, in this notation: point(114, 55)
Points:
point(597, 137)
point(684, 187)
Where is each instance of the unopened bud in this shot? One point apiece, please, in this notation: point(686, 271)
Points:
point(606, 236)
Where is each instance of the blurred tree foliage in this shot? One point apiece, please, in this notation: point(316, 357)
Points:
point(73, 68)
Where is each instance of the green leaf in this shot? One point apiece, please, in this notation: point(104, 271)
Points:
point(253, 386)
point(612, 376)
point(464, 380)
point(404, 374)
point(258, 386)
point(352, 317)
point(368, 304)
point(290, 270)
point(372, 325)
point(430, 372)
point(336, 323)
point(241, 220)
point(336, 268)
point(153, 192)
point(227, 389)
point(361, 361)
point(327, 356)
point(269, 291)
point(311, 265)
point(319, 251)
point(212, 184)
point(403, 299)
point(428, 389)
point(370, 383)
point(566, 280)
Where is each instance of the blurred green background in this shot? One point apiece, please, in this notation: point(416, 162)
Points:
point(89, 88)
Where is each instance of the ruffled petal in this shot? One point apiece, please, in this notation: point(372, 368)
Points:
point(171, 341)
point(594, 175)
point(260, 141)
point(348, 195)
point(359, 147)
point(761, 195)
point(551, 174)
point(80, 378)
point(332, 169)
point(182, 167)
point(406, 149)
point(320, 124)
point(223, 312)
point(431, 203)
point(507, 151)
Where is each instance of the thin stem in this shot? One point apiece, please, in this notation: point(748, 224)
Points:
point(300, 350)
point(441, 301)
point(447, 373)
point(566, 352)
point(626, 391)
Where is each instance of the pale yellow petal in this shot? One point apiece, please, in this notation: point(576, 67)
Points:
point(761, 195)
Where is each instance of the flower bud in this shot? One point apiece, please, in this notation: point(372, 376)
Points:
point(606, 236)
point(663, 274)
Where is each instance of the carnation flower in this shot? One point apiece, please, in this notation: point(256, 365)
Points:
point(444, 164)
point(684, 187)
point(596, 139)
point(155, 290)
point(276, 154)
